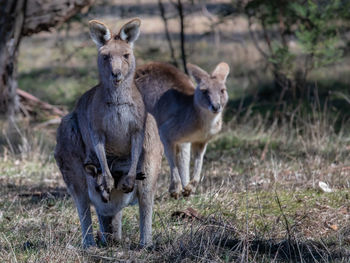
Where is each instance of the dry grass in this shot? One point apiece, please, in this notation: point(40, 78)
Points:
point(259, 201)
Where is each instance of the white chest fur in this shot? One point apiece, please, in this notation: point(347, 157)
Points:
point(214, 126)
point(210, 126)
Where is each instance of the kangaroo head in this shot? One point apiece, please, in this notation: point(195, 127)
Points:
point(116, 61)
point(211, 91)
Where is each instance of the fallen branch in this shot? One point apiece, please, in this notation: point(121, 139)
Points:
point(32, 106)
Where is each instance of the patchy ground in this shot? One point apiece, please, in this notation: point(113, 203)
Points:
point(259, 200)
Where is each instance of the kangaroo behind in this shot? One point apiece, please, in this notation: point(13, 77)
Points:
point(187, 116)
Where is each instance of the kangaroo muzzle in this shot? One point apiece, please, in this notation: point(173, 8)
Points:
point(215, 108)
point(117, 77)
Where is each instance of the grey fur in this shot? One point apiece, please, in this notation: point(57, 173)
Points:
point(184, 114)
point(109, 131)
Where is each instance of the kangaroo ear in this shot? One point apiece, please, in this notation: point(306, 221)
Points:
point(130, 31)
point(99, 33)
point(196, 72)
point(221, 71)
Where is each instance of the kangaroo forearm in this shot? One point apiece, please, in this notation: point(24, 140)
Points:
point(136, 149)
point(101, 156)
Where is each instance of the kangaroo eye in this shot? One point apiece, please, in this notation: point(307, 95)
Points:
point(105, 57)
point(126, 56)
point(204, 91)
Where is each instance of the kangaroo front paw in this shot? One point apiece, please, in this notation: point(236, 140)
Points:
point(102, 188)
point(108, 183)
point(126, 184)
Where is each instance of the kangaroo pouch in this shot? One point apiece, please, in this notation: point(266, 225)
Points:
point(119, 167)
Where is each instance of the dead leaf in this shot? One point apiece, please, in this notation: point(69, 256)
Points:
point(334, 227)
point(188, 213)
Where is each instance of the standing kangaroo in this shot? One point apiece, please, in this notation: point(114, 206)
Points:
point(108, 123)
point(187, 117)
point(112, 114)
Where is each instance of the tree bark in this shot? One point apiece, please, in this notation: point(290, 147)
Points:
point(11, 24)
point(22, 18)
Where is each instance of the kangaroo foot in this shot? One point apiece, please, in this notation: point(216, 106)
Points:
point(126, 184)
point(175, 190)
point(175, 195)
point(190, 188)
point(187, 191)
point(106, 239)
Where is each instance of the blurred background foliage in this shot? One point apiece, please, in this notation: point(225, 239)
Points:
point(285, 56)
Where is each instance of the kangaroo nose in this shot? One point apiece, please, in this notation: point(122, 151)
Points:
point(117, 75)
point(216, 108)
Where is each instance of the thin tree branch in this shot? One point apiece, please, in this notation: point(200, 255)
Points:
point(255, 41)
point(182, 34)
point(167, 34)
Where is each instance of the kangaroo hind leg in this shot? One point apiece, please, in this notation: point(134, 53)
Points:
point(183, 157)
point(198, 154)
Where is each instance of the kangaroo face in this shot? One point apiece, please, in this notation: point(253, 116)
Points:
point(211, 94)
point(211, 91)
point(116, 60)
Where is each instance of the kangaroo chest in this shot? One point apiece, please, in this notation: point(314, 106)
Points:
point(119, 125)
point(214, 125)
point(205, 130)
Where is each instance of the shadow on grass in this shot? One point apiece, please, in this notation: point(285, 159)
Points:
point(286, 250)
point(209, 242)
point(35, 194)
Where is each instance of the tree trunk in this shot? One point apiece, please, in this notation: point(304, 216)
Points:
point(11, 24)
point(22, 18)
